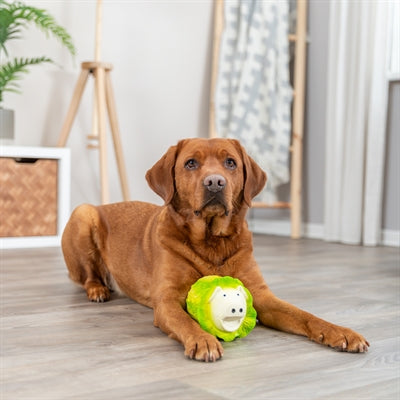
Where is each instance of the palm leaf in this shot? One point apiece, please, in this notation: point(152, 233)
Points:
point(12, 71)
point(15, 16)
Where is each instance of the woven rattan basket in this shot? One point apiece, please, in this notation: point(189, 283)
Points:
point(28, 197)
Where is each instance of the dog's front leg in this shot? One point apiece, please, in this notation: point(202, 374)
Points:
point(172, 319)
point(281, 315)
point(276, 313)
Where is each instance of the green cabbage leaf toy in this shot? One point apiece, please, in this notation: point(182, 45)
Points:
point(222, 306)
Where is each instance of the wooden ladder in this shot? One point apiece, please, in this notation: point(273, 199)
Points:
point(299, 79)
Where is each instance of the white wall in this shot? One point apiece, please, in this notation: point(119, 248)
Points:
point(161, 55)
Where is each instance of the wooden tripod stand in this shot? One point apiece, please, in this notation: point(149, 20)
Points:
point(103, 97)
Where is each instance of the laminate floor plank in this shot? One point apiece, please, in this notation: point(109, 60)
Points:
point(55, 344)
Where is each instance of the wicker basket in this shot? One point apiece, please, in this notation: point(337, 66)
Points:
point(28, 197)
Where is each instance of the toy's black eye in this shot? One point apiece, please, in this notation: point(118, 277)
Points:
point(224, 295)
point(230, 163)
point(191, 164)
point(238, 294)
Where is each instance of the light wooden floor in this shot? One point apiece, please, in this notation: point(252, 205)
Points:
point(57, 345)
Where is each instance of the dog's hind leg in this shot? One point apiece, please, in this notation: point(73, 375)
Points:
point(82, 242)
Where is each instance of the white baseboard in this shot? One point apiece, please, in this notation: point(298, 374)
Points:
point(391, 238)
point(311, 231)
point(262, 226)
point(29, 242)
point(270, 227)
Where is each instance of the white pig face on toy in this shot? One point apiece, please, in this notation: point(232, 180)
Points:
point(222, 306)
point(228, 308)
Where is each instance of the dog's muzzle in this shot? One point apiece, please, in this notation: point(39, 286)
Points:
point(214, 193)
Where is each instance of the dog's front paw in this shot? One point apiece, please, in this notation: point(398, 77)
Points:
point(340, 338)
point(97, 293)
point(203, 348)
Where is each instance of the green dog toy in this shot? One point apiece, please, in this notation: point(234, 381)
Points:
point(222, 306)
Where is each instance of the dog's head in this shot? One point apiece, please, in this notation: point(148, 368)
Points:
point(207, 177)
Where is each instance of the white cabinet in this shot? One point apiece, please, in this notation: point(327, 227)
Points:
point(34, 195)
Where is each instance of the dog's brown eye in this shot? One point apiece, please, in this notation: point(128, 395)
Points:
point(191, 164)
point(230, 163)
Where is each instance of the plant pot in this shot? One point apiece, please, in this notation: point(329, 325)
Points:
point(6, 126)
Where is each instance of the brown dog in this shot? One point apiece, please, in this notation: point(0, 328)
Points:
point(155, 253)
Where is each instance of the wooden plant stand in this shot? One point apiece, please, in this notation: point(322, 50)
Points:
point(104, 98)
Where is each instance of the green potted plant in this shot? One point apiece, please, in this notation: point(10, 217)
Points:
point(14, 17)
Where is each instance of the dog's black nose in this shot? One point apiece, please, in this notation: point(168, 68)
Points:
point(214, 183)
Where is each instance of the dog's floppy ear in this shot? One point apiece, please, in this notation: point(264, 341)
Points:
point(254, 177)
point(161, 176)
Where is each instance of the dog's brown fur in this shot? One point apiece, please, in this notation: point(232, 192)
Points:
point(155, 253)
